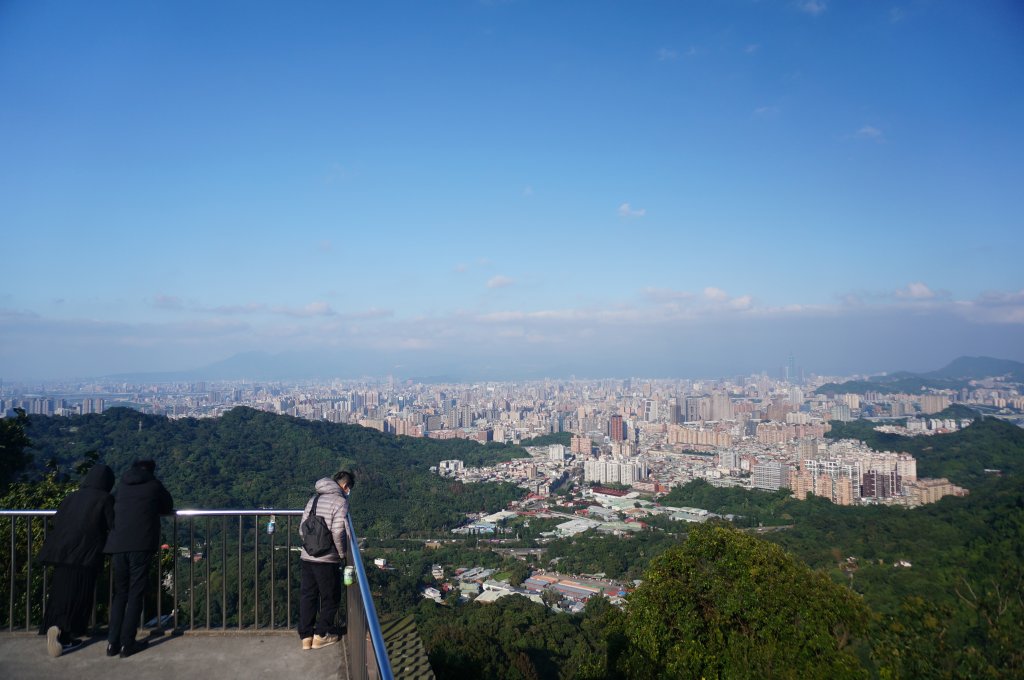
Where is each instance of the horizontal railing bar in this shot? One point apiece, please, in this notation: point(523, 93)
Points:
point(28, 513)
point(179, 513)
point(235, 513)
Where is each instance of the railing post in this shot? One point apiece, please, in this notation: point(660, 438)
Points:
point(288, 574)
point(191, 573)
point(45, 575)
point(159, 587)
point(273, 575)
point(206, 560)
point(14, 565)
point(256, 575)
point(239, 572)
point(224, 578)
point(28, 573)
point(174, 561)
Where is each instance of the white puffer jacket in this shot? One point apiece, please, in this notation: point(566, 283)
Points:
point(333, 507)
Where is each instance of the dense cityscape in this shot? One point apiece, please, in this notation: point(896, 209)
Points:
point(645, 435)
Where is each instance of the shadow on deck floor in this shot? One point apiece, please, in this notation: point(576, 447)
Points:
point(222, 656)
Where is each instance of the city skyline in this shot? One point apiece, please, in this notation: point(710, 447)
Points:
point(510, 189)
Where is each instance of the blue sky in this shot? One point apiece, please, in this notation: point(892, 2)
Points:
point(602, 188)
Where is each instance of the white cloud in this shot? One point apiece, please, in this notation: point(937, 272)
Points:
point(625, 210)
point(741, 302)
point(870, 132)
point(337, 174)
point(161, 301)
point(752, 48)
point(249, 308)
point(500, 282)
point(992, 322)
point(715, 294)
point(312, 309)
point(666, 54)
point(368, 314)
point(765, 111)
point(916, 291)
point(995, 307)
point(813, 7)
point(667, 295)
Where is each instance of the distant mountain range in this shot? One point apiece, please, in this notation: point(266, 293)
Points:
point(957, 374)
point(302, 365)
point(264, 366)
point(977, 368)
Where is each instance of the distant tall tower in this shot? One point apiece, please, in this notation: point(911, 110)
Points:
point(791, 369)
point(616, 431)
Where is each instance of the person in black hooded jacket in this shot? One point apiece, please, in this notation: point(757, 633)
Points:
point(139, 501)
point(74, 548)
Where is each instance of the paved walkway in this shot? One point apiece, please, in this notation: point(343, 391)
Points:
point(223, 656)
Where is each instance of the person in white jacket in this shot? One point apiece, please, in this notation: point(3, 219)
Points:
point(320, 581)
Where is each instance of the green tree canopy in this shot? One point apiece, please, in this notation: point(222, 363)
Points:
point(725, 604)
point(13, 442)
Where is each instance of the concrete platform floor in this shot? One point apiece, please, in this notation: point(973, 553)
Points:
point(222, 656)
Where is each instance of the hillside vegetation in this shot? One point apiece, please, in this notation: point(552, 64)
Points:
point(251, 459)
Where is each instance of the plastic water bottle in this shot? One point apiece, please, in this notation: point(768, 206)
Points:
point(350, 574)
point(271, 525)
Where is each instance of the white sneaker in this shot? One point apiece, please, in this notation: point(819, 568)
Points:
point(53, 645)
point(319, 642)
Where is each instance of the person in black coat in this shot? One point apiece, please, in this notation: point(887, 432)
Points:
point(75, 549)
point(139, 501)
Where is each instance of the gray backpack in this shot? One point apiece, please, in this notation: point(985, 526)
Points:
point(316, 535)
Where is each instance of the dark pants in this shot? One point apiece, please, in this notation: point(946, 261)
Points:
point(130, 571)
point(320, 588)
point(69, 602)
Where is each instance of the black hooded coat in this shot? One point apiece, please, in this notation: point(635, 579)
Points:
point(82, 522)
point(139, 501)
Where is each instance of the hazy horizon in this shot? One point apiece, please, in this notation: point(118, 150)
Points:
point(514, 188)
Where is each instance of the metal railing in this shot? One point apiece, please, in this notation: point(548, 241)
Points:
point(366, 650)
point(217, 571)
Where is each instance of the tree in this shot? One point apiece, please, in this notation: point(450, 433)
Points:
point(13, 442)
point(726, 604)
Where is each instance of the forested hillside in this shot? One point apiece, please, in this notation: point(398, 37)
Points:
point(954, 607)
point(252, 459)
point(958, 604)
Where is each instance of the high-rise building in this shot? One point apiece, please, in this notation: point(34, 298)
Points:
point(616, 428)
point(933, 403)
point(771, 476)
point(881, 484)
point(697, 409)
point(581, 445)
point(556, 453)
point(721, 406)
point(608, 471)
point(675, 414)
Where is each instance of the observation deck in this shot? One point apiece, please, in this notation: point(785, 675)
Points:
point(223, 604)
point(225, 656)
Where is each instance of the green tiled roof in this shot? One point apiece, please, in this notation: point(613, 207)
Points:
point(405, 649)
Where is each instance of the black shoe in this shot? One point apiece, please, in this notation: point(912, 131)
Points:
point(134, 648)
point(113, 649)
point(71, 646)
